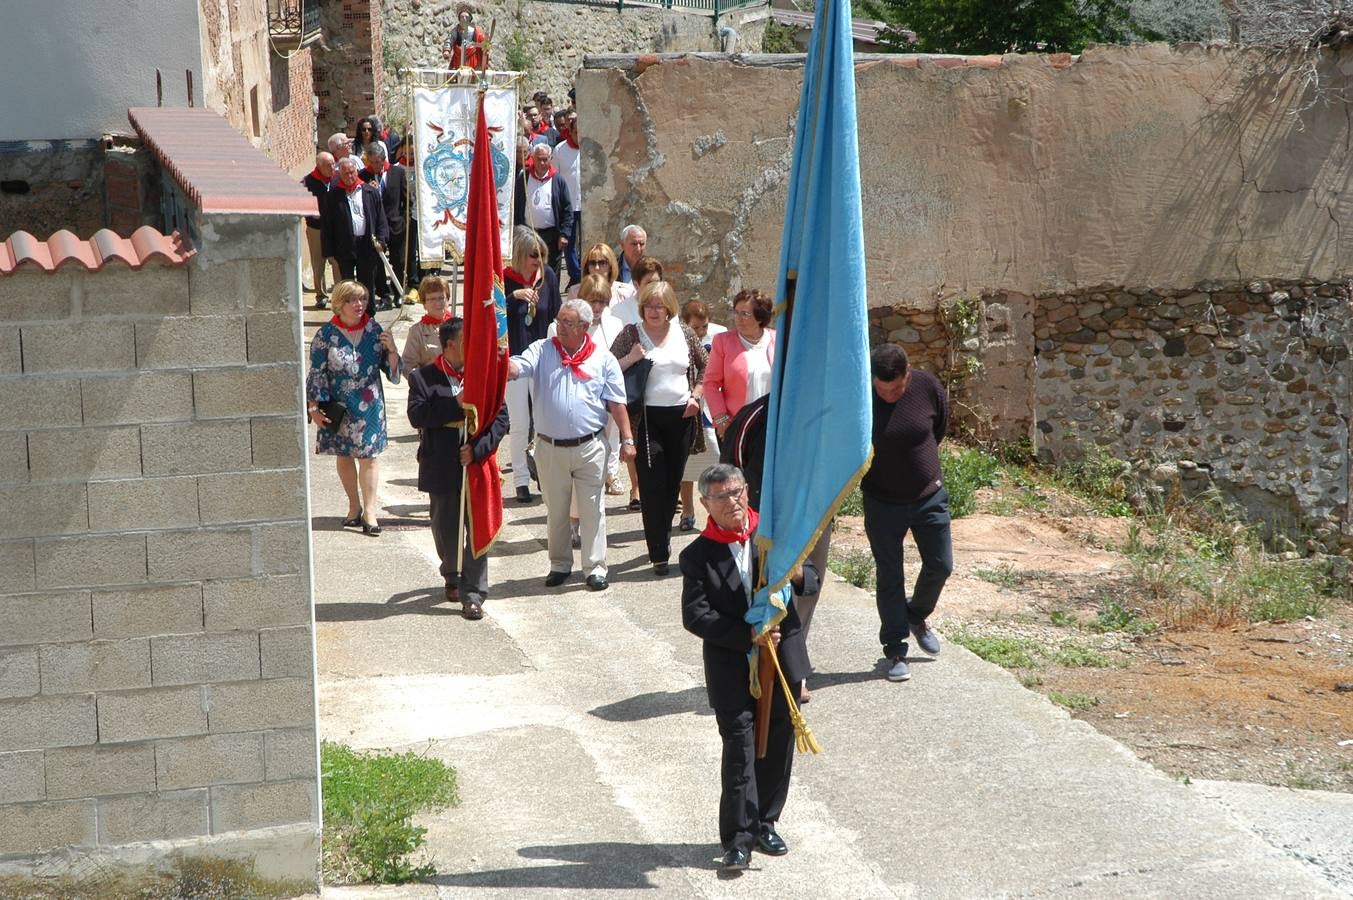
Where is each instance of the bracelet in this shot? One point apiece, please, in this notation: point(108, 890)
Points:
point(629, 441)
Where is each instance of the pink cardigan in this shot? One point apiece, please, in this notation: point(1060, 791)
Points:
point(726, 374)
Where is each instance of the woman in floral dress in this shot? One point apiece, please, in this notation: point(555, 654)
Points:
point(346, 358)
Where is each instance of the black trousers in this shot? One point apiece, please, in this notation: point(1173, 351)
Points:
point(364, 267)
point(473, 577)
point(663, 445)
point(886, 524)
point(552, 252)
point(754, 790)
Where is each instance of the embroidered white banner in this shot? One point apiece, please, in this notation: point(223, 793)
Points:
point(444, 129)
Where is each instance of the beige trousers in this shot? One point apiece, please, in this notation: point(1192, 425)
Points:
point(567, 473)
point(321, 278)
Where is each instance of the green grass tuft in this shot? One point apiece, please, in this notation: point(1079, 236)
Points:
point(855, 566)
point(369, 802)
point(1002, 576)
point(1006, 652)
point(964, 473)
point(1073, 701)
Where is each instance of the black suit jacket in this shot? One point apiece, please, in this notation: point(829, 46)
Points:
point(336, 238)
point(713, 602)
point(560, 201)
point(395, 197)
point(321, 190)
point(431, 406)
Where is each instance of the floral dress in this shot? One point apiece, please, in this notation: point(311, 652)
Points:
point(340, 370)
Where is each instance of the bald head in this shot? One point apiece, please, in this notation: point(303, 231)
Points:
point(324, 164)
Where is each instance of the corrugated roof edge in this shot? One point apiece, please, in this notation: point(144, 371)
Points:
point(146, 244)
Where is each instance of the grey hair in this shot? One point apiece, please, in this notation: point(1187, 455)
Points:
point(719, 473)
point(549, 151)
point(348, 160)
point(630, 229)
point(377, 149)
point(581, 307)
point(336, 140)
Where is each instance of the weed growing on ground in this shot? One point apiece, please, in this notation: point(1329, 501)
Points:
point(1064, 618)
point(1099, 478)
point(1027, 653)
point(964, 473)
point(853, 505)
point(1114, 616)
point(1300, 780)
point(1031, 681)
point(1002, 576)
point(1073, 701)
point(855, 566)
point(369, 802)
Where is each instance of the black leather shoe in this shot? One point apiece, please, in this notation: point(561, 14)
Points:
point(771, 843)
point(554, 579)
point(523, 495)
point(660, 569)
point(596, 583)
point(735, 860)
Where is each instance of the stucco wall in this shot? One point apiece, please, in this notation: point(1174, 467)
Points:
point(1146, 165)
point(156, 634)
point(74, 67)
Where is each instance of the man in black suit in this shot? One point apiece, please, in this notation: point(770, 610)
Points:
point(393, 183)
point(353, 226)
point(542, 202)
point(435, 410)
point(719, 570)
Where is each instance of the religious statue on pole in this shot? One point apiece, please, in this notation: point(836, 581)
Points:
point(466, 47)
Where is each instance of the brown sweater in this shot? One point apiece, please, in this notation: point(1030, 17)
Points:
point(907, 437)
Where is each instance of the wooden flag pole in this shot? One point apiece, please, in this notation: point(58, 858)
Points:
point(460, 516)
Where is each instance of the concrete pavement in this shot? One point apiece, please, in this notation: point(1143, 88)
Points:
point(588, 761)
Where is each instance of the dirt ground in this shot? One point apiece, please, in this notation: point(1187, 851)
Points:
point(1269, 703)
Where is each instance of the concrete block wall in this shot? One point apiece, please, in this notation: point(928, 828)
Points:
point(156, 635)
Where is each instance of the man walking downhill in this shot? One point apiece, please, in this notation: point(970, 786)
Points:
point(435, 410)
point(904, 491)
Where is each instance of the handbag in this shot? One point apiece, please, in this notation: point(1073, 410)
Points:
point(636, 382)
point(335, 412)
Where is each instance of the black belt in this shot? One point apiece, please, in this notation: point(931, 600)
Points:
point(569, 442)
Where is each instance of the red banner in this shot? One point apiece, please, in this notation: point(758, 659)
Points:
point(485, 313)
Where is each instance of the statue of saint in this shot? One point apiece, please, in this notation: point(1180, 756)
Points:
point(465, 47)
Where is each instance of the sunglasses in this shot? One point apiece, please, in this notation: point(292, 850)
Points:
point(599, 262)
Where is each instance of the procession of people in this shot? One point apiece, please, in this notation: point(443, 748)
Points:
point(606, 363)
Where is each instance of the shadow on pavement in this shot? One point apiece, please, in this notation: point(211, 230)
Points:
point(422, 602)
point(604, 865)
point(655, 704)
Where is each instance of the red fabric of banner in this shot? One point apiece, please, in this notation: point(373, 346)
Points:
point(485, 355)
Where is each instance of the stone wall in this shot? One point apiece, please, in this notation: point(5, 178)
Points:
point(555, 35)
point(49, 185)
point(156, 634)
point(1019, 187)
point(349, 76)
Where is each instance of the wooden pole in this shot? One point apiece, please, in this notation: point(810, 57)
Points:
point(460, 516)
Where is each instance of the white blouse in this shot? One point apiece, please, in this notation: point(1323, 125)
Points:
point(758, 366)
point(667, 383)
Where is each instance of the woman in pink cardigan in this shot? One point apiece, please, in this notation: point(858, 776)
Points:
point(740, 359)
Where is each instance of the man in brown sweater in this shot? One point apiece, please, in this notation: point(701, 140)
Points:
point(904, 491)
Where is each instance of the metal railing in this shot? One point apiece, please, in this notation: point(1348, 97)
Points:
point(293, 24)
point(714, 7)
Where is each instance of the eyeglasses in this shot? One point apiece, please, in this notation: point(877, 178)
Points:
point(744, 314)
point(729, 496)
point(579, 324)
point(599, 262)
point(652, 307)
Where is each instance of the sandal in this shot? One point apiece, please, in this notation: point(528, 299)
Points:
point(687, 523)
point(634, 504)
point(354, 522)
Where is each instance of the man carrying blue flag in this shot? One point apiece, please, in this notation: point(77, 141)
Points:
point(719, 571)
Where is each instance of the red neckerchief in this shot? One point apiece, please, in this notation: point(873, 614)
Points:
point(724, 536)
point(356, 183)
point(385, 167)
point(516, 276)
point(575, 362)
point(446, 369)
point(531, 173)
point(366, 317)
point(542, 128)
point(318, 176)
point(570, 138)
point(428, 320)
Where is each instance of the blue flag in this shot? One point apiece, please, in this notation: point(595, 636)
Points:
point(819, 418)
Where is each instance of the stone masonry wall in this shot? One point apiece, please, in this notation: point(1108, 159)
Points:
point(1248, 383)
point(349, 77)
point(156, 636)
point(555, 35)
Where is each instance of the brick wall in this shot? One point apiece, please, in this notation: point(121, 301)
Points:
point(290, 135)
point(156, 677)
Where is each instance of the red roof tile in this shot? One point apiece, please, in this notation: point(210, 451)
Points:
point(216, 166)
point(145, 244)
